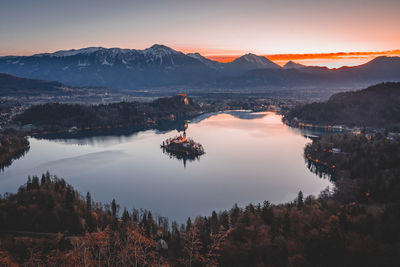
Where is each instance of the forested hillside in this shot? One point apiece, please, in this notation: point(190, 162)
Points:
point(377, 105)
point(14, 86)
point(59, 117)
point(12, 146)
point(356, 224)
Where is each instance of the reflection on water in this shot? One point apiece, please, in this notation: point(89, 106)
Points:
point(240, 114)
point(321, 170)
point(181, 156)
point(251, 157)
point(105, 136)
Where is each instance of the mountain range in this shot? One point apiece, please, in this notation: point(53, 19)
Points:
point(161, 66)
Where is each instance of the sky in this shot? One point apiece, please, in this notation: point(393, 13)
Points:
point(219, 29)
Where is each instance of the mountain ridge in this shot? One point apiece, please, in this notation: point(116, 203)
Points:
point(161, 66)
point(12, 85)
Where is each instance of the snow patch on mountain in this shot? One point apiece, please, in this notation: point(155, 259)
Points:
point(254, 58)
point(72, 52)
point(160, 51)
point(259, 61)
point(196, 56)
point(83, 64)
point(105, 62)
point(204, 60)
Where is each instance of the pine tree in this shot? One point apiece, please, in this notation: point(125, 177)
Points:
point(214, 222)
point(125, 216)
point(267, 213)
point(35, 182)
point(114, 208)
point(88, 202)
point(188, 224)
point(300, 202)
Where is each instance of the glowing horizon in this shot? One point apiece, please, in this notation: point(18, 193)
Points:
point(330, 60)
point(216, 29)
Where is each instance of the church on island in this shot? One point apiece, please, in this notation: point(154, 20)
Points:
point(182, 145)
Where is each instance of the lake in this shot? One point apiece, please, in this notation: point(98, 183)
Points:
point(250, 157)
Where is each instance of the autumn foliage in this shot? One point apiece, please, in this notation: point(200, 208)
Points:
point(49, 223)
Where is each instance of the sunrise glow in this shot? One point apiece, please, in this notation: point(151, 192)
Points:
point(332, 60)
point(332, 34)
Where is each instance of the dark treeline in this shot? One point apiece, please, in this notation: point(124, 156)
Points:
point(13, 145)
point(49, 204)
point(376, 106)
point(308, 231)
point(366, 168)
point(60, 117)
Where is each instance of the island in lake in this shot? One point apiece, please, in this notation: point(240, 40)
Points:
point(182, 147)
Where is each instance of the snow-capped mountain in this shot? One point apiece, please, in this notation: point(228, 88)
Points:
point(257, 61)
point(381, 69)
point(157, 65)
point(249, 62)
point(156, 54)
point(162, 66)
point(72, 52)
point(158, 50)
point(238, 66)
point(208, 62)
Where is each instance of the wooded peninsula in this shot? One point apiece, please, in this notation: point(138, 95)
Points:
point(58, 117)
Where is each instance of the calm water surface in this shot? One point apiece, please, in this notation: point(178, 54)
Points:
point(250, 157)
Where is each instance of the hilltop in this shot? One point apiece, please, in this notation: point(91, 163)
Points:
point(376, 106)
point(11, 85)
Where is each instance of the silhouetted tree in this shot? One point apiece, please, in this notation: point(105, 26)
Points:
point(300, 202)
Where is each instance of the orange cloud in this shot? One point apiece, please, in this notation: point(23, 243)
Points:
point(223, 59)
point(321, 59)
point(339, 55)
